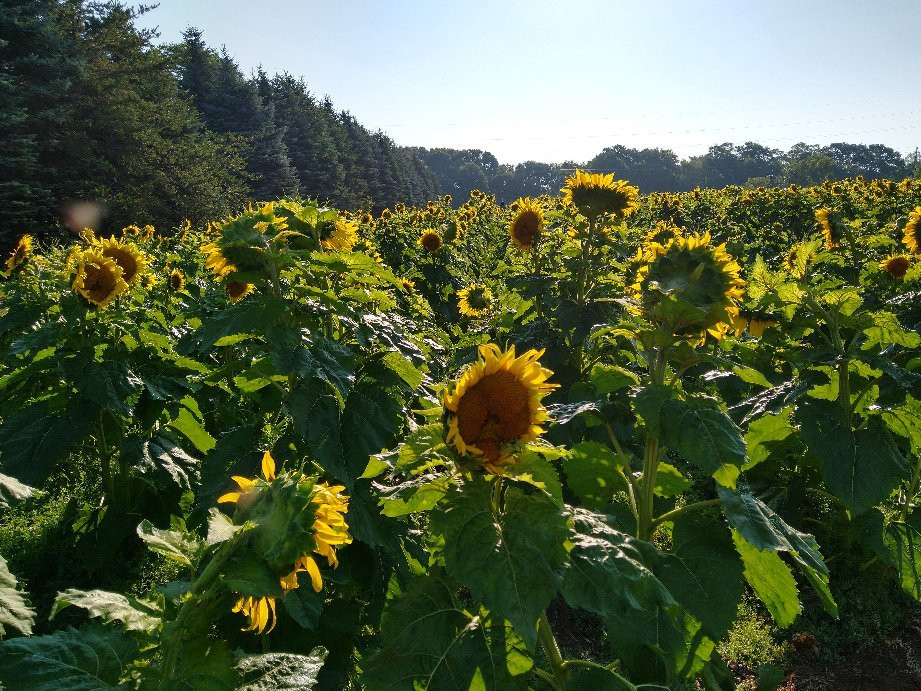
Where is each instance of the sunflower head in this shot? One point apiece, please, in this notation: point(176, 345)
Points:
point(662, 233)
point(799, 257)
point(237, 290)
point(912, 237)
point(431, 241)
point(98, 278)
point(831, 230)
point(474, 300)
point(594, 194)
point(496, 404)
point(148, 281)
point(295, 517)
point(688, 286)
point(527, 224)
point(896, 265)
point(249, 242)
point(408, 285)
point(126, 254)
point(176, 280)
point(21, 252)
point(342, 236)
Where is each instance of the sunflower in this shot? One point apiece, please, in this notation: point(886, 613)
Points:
point(237, 290)
point(148, 281)
point(216, 262)
point(176, 280)
point(343, 238)
point(19, 255)
point(408, 285)
point(527, 225)
point(799, 257)
point(594, 194)
point(126, 255)
point(324, 512)
point(99, 279)
point(688, 286)
point(496, 403)
point(474, 300)
point(896, 265)
point(912, 237)
point(431, 240)
point(662, 233)
point(829, 229)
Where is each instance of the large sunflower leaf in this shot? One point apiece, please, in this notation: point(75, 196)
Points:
point(12, 490)
point(659, 642)
point(771, 579)
point(431, 641)
point(591, 472)
point(703, 572)
point(765, 434)
point(609, 571)
point(15, 612)
point(135, 614)
point(510, 562)
point(246, 317)
point(903, 540)
point(34, 440)
point(705, 436)
point(757, 523)
point(271, 671)
point(109, 383)
point(180, 547)
point(89, 659)
point(905, 420)
point(860, 467)
point(162, 460)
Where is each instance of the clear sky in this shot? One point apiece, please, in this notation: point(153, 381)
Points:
point(555, 80)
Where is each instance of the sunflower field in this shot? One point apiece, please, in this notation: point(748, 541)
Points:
point(561, 444)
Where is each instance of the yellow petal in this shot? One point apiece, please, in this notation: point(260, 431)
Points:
point(268, 466)
point(315, 578)
point(230, 496)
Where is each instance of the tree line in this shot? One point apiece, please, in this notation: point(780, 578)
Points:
point(660, 170)
point(92, 108)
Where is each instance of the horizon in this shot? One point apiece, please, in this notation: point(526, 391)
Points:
point(734, 83)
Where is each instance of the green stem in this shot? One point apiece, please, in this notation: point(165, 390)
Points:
point(624, 469)
point(552, 651)
point(674, 513)
point(645, 526)
point(199, 592)
point(912, 489)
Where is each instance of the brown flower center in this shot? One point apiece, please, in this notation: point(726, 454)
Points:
point(494, 412)
point(98, 282)
point(125, 260)
point(897, 267)
point(431, 242)
point(527, 228)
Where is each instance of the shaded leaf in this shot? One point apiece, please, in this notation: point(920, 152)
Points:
point(509, 562)
point(89, 659)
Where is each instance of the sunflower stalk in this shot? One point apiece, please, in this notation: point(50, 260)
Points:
point(645, 523)
point(201, 591)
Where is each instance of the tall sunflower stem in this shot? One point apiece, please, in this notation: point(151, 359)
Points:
point(201, 590)
point(552, 651)
point(645, 524)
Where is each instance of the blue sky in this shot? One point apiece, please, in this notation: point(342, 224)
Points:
point(554, 81)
